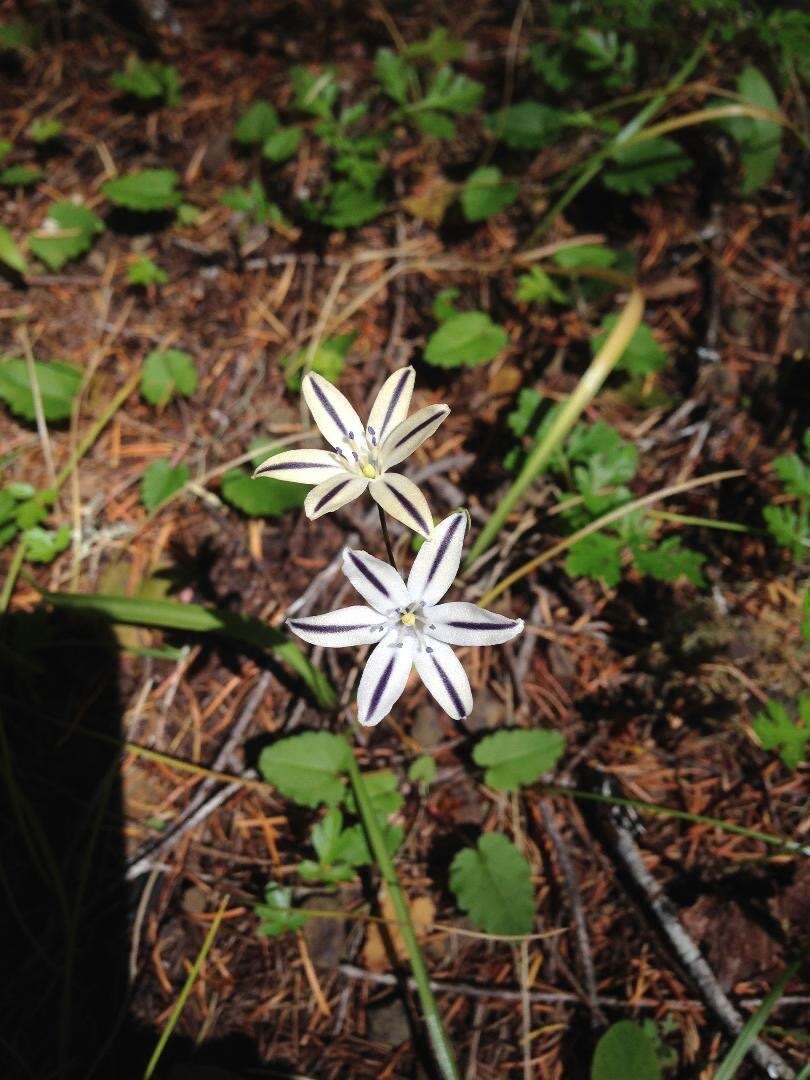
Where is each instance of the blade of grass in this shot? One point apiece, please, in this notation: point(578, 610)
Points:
point(748, 1036)
point(706, 523)
point(600, 523)
point(442, 1049)
point(173, 615)
point(587, 388)
point(171, 1023)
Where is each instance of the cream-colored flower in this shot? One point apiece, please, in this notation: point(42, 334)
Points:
point(362, 457)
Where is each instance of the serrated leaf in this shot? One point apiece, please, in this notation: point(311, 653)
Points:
point(10, 254)
point(451, 92)
point(66, 233)
point(485, 193)
point(625, 1052)
point(43, 545)
point(639, 168)
point(351, 205)
point(786, 527)
point(524, 412)
point(467, 339)
point(149, 80)
point(516, 757)
point(262, 496)
point(145, 272)
point(160, 481)
point(257, 124)
point(438, 47)
point(315, 93)
point(670, 561)
point(548, 62)
point(597, 556)
point(776, 730)
point(307, 768)
point(145, 190)
point(58, 385)
point(423, 770)
point(20, 175)
point(759, 140)
point(282, 144)
point(276, 914)
point(394, 74)
point(493, 884)
point(527, 125)
point(538, 288)
point(166, 373)
point(794, 474)
point(381, 787)
point(642, 354)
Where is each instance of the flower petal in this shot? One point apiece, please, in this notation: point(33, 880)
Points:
point(441, 671)
point(468, 624)
point(332, 494)
point(391, 405)
point(357, 625)
point(405, 437)
point(384, 678)
point(301, 466)
point(330, 410)
point(436, 564)
point(402, 499)
point(375, 580)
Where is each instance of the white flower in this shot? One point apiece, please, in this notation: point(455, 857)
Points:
point(409, 625)
point(362, 457)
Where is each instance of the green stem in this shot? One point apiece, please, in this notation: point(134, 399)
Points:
point(430, 1010)
point(11, 576)
point(707, 523)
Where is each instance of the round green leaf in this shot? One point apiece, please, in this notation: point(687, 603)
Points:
point(467, 339)
point(517, 757)
point(625, 1052)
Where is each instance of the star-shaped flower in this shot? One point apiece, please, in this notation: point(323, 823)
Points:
point(409, 625)
point(362, 458)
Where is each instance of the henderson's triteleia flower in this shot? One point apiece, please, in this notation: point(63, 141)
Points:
point(409, 625)
point(362, 457)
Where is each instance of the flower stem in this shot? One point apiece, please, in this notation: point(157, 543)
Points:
point(387, 538)
point(442, 1049)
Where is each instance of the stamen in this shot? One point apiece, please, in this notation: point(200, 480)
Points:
point(407, 618)
point(369, 471)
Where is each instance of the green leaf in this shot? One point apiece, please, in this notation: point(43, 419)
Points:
point(423, 771)
point(538, 288)
point(10, 254)
point(149, 80)
point(160, 481)
point(307, 768)
point(786, 527)
point(351, 205)
point(525, 411)
point(339, 850)
point(145, 190)
point(759, 140)
point(328, 360)
point(776, 731)
point(43, 129)
point(282, 144)
point(188, 214)
point(257, 124)
point(65, 234)
point(166, 373)
point(451, 92)
point(174, 615)
point(642, 354)
point(625, 1052)
point(443, 306)
point(262, 497)
point(467, 339)
point(276, 914)
point(436, 124)
point(670, 561)
point(145, 272)
point(438, 47)
point(20, 175)
point(493, 884)
point(381, 787)
point(805, 623)
point(252, 200)
point(597, 556)
point(517, 756)
point(527, 125)
point(485, 193)
point(548, 62)
point(794, 474)
point(315, 94)
point(644, 165)
point(585, 256)
point(19, 34)
point(43, 545)
point(58, 385)
point(394, 74)
point(5, 148)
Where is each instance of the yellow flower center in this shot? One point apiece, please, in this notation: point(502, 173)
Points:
point(407, 618)
point(369, 471)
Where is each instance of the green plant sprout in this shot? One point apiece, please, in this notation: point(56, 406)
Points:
point(789, 525)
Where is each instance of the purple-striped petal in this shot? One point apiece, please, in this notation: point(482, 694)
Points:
point(301, 466)
point(357, 625)
point(384, 678)
point(441, 671)
point(468, 624)
point(402, 499)
point(390, 406)
point(411, 433)
point(331, 411)
point(376, 581)
point(334, 493)
point(436, 564)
